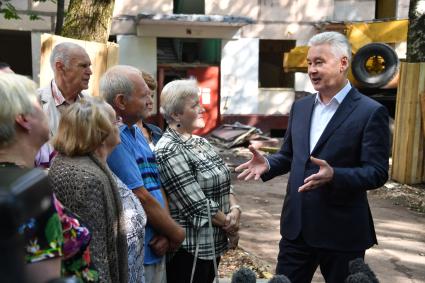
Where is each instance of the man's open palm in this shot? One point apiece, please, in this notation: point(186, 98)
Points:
point(253, 168)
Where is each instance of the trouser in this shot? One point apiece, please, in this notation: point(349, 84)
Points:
point(298, 261)
point(155, 273)
point(179, 269)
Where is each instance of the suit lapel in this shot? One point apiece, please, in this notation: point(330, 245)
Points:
point(343, 111)
point(306, 120)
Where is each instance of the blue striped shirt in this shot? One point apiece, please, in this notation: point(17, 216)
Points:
point(134, 163)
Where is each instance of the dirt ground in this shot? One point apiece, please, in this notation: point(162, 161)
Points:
point(398, 211)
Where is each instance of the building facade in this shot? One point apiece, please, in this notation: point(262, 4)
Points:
point(233, 48)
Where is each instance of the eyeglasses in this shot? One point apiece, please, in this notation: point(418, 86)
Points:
point(118, 121)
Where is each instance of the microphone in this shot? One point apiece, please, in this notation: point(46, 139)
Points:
point(358, 277)
point(279, 278)
point(244, 275)
point(359, 272)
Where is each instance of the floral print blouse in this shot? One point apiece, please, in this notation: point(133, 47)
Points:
point(58, 233)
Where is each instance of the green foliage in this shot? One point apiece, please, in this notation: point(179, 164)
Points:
point(10, 13)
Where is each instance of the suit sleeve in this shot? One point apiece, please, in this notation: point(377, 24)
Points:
point(373, 170)
point(280, 162)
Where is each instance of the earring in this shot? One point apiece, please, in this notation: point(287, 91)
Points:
point(178, 125)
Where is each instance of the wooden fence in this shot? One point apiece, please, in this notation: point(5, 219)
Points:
point(409, 139)
point(102, 57)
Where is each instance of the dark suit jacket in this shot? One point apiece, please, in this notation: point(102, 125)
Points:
point(356, 144)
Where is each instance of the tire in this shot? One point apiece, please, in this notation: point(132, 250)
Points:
point(375, 65)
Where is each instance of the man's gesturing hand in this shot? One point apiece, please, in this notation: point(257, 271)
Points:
point(325, 174)
point(253, 168)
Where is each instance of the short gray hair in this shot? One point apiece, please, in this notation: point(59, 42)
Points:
point(115, 81)
point(17, 96)
point(338, 42)
point(61, 53)
point(173, 97)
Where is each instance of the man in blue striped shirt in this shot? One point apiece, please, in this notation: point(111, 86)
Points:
point(134, 163)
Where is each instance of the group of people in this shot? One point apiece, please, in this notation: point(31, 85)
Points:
point(126, 194)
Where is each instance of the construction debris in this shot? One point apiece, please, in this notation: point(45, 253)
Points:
point(230, 135)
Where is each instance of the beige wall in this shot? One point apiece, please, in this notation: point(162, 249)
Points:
point(134, 7)
point(354, 10)
point(273, 10)
point(245, 8)
point(187, 30)
point(292, 31)
point(291, 11)
point(139, 52)
point(403, 9)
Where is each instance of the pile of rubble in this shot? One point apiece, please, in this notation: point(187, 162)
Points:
point(231, 135)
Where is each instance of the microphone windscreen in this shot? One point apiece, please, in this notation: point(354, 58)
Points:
point(358, 277)
point(359, 266)
point(244, 275)
point(279, 278)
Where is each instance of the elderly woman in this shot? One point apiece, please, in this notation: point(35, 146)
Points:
point(197, 183)
point(53, 238)
point(23, 129)
point(82, 180)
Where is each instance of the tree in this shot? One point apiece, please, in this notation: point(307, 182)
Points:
point(88, 20)
point(416, 32)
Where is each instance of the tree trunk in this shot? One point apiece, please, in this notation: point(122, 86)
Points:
point(88, 20)
point(416, 33)
point(59, 16)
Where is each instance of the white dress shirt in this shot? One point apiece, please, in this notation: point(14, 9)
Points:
point(322, 114)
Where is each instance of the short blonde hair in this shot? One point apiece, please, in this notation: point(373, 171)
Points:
point(17, 96)
point(83, 127)
point(174, 95)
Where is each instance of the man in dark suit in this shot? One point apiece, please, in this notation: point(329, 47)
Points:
point(336, 147)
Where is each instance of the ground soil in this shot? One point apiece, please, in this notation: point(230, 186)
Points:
point(399, 214)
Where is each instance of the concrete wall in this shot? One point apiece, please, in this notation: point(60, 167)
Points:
point(402, 9)
point(187, 30)
point(245, 8)
point(358, 10)
point(239, 76)
point(134, 7)
point(273, 101)
point(139, 52)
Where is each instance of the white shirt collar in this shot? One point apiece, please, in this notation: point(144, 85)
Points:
point(338, 98)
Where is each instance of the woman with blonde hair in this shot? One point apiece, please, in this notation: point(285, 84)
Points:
point(197, 183)
point(83, 182)
point(54, 238)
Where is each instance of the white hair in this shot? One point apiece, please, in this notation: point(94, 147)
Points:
point(338, 42)
point(116, 81)
point(173, 97)
point(17, 96)
point(62, 53)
